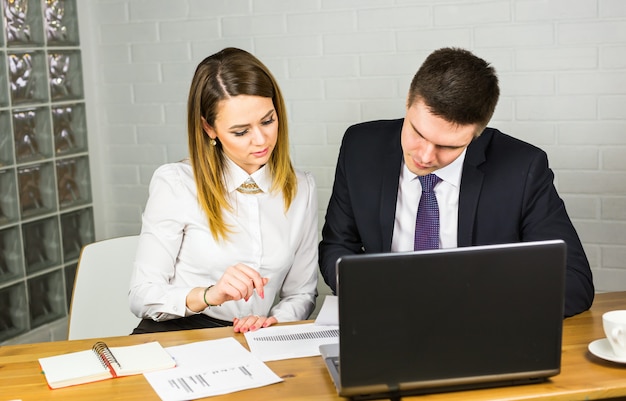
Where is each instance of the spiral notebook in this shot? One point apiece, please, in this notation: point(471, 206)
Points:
point(102, 362)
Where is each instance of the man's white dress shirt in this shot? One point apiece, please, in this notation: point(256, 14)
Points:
point(409, 194)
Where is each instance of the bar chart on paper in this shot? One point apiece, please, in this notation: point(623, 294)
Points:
point(208, 368)
point(192, 384)
point(293, 341)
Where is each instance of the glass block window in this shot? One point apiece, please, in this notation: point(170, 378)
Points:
point(46, 213)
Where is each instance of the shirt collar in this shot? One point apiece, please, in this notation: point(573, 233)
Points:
point(450, 173)
point(235, 176)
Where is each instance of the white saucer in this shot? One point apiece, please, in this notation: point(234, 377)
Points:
point(602, 349)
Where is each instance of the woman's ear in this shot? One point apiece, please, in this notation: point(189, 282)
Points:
point(208, 129)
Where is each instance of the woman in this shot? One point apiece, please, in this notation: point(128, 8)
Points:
point(232, 229)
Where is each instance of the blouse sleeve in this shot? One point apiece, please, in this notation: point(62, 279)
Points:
point(299, 290)
point(163, 221)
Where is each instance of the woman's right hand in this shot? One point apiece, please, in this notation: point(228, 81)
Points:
point(237, 282)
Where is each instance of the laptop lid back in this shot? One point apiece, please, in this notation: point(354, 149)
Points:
point(450, 318)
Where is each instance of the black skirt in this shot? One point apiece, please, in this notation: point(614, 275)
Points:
point(199, 321)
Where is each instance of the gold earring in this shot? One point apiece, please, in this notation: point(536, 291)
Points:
point(213, 142)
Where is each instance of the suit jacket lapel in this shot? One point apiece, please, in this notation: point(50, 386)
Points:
point(390, 171)
point(471, 186)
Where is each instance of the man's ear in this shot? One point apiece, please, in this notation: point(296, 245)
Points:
point(208, 129)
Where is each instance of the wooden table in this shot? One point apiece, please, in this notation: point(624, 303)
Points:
point(583, 376)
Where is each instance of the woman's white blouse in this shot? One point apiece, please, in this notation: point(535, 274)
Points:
point(177, 251)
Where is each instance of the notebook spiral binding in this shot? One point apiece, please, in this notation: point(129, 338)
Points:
point(105, 355)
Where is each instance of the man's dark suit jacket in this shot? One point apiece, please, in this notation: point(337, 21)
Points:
point(507, 195)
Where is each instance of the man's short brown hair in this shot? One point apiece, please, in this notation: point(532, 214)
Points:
point(457, 86)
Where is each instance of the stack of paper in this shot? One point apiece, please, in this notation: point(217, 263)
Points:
point(208, 368)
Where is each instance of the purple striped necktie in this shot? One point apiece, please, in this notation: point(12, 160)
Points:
point(427, 221)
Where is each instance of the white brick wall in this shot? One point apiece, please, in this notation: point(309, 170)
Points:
point(562, 65)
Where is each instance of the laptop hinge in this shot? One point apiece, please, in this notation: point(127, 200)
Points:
point(394, 393)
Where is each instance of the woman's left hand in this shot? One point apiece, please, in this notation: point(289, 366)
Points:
point(252, 323)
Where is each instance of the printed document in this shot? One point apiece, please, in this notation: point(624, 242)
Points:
point(208, 368)
point(329, 312)
point(293, 341)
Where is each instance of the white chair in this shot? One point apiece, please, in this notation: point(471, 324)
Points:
point(99, 306)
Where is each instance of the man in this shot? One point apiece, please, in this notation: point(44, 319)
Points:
point(489, 187)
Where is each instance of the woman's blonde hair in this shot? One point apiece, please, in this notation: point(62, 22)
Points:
point(231, 72)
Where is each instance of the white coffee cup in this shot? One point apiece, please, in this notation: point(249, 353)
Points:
point(614, 323)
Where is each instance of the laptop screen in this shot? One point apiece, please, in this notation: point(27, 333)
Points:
point(451, 317)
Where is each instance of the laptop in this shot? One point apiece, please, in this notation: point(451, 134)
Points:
point(448, 319)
